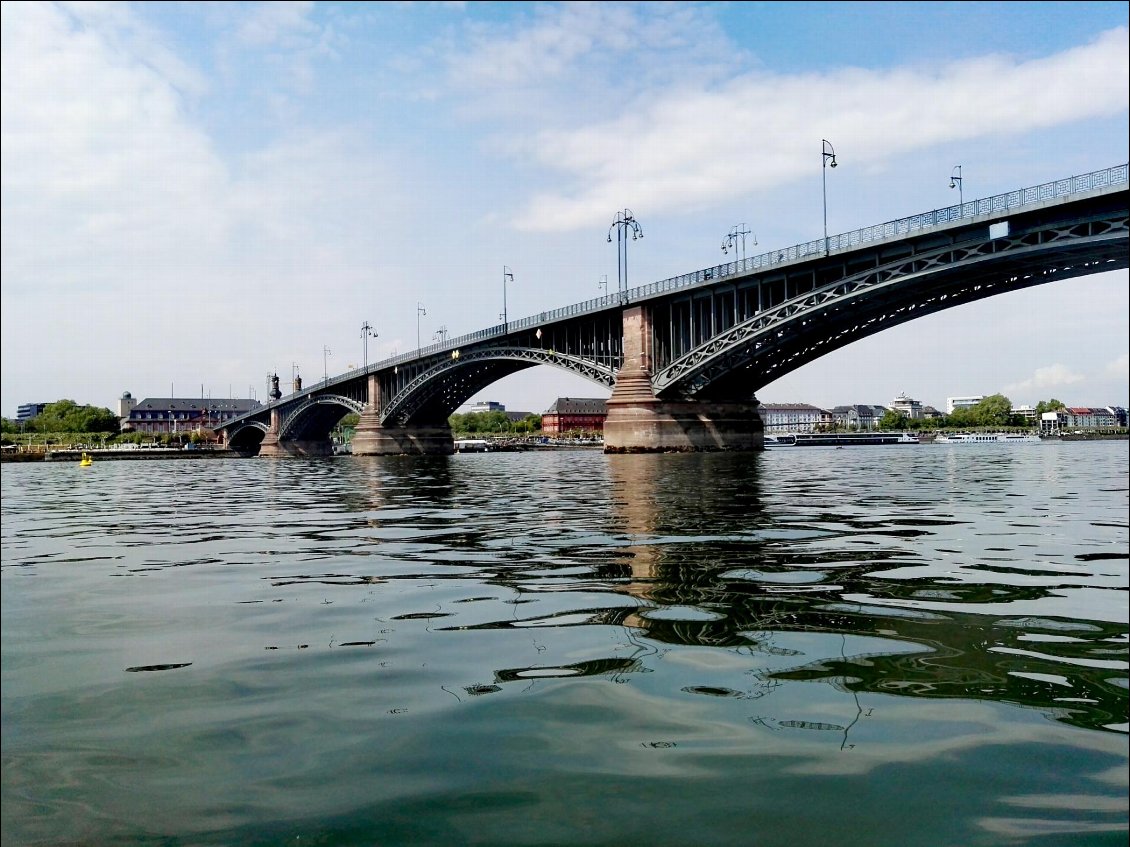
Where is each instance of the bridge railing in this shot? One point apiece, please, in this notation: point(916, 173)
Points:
point(798, 252)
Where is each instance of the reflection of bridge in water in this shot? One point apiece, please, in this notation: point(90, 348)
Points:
point(685, 356)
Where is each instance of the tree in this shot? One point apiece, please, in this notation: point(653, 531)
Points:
point(995, 410)
point(68, 416)
point(893, 420)
point(1049, 406)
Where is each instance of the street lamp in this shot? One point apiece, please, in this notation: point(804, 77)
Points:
point(420, 310)
point(325, 364)
point(506, 274)
point(440, 335)
point(955, 182)
point(603, 283)
point(829, 152)
point(731, 240)
point(624, 223)
point(366, 331)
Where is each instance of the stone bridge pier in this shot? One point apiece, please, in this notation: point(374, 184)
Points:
point(370, 438)
point(640, 422)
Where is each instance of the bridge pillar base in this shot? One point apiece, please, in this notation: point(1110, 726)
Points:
point(372, 439)
point(273, 448)
point(638, 422)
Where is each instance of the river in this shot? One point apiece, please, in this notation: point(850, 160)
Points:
point(907, 645)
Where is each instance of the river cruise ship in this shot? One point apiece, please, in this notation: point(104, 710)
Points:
point(988, 438)
point(839, 439)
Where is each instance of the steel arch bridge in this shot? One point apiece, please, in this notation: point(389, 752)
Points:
point(722, 333)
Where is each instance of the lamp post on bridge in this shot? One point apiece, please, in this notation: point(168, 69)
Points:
point(828, 152)
point(420, 310)
point(625, 222)
point(506, 274)
point(366, 331)
point(731, 241)
point(325, 364)
point(603, 283)
point(441, 334)
point(955, 182)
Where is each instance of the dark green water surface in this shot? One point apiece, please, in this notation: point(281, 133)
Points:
point(911, 645)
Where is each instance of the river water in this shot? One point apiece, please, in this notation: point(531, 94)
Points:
point(909, 645)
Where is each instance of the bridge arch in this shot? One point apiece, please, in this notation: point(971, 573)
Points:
point(315, 416)
point(247, 435)
point(434, 394)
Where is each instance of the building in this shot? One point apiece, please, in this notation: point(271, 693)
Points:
point(908, 408)
point(1028, 413)
point(574, 413)
point(486, 406)
point(1082, 418)
point(29, 410)
point(126, 404)
point(858, 418)
point(962, 402)
point(793, 417)
point(177, 414)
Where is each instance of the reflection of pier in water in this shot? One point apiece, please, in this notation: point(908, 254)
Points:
point(735, 580)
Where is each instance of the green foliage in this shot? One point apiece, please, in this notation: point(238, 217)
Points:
point(68, 416)
point(498, 423)
point(995, 410)
point(892, 420)
point(1049, 406)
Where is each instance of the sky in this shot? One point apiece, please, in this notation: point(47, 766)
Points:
point(196, 195)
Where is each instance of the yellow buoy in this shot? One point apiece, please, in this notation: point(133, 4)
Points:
point(86, 461)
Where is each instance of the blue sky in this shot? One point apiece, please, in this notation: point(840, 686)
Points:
point(195, 195)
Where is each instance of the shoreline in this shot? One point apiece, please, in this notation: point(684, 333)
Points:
point(135, 454)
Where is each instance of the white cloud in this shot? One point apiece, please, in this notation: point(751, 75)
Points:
point(684, 141)
point(1051, 378)
point(1119, 368)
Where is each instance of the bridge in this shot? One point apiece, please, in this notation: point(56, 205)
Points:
point(685, 356)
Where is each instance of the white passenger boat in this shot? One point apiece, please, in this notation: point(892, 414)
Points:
point(839, 439)
point(988, 438)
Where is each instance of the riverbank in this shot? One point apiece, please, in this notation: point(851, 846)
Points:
point(115, 455)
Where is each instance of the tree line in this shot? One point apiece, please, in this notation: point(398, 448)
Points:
point(994, 411)
point(485, 423)
point(65, 416)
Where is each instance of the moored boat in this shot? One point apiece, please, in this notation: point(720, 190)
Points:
point(839, 439)
point(988, 438)
point(472, 445)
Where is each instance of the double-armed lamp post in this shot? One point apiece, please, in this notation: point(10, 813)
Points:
point(735, 237)
point(366, 331)
point(625, 222)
